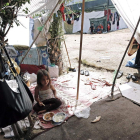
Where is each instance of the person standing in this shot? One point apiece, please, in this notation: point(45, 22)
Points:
point(91, 28)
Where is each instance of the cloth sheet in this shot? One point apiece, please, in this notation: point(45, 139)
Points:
point(66, 87)
point(36, 56)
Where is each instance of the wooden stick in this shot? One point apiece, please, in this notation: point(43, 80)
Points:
point(80, 52)
point(67, 53)
point(40, 31)
point(112, 89)
point(16, 134)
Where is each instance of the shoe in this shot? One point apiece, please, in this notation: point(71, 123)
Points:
point(134, 78)
point(119, 74)
point(86, 73)
point(128, 76)
point(82, 72)
point(74, 70)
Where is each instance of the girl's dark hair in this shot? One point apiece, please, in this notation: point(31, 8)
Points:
point(40, 74)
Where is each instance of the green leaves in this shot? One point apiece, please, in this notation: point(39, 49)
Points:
point(26, 10)
point(8, 14)
point(7, 4)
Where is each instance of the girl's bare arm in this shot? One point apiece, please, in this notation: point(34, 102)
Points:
point(36, 96)
point(54, 91)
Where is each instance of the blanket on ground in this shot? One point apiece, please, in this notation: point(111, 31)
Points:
point(91, 90)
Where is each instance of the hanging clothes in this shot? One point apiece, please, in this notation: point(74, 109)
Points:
point(113, 18)
point(107, 13)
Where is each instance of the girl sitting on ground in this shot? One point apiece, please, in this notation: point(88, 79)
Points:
point(45, 93)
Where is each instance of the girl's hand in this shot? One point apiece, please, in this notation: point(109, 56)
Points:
point(41, 104)
point(56, 97)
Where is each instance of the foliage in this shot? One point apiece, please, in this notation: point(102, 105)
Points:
point(56, 26)
point(8, 15)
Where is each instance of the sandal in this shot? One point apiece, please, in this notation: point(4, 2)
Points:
point(86, 73)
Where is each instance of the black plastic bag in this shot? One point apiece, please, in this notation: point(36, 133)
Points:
point(14, 106)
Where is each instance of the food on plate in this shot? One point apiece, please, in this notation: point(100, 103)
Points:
point(48, 116)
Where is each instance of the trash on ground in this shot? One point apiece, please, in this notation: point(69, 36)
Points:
point(96, 119)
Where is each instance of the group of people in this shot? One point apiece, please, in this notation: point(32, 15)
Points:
point(99, 29)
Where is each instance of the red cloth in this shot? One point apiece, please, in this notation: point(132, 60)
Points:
point(108, 27)
point(62, 11)
point(108, 13)
point(30, 68)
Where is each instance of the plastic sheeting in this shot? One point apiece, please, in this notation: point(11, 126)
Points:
point(130, 12)
point(40, 5)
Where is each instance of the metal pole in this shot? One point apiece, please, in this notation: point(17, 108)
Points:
point(112, 90)
point(80, 52)
point(67, 53)
point(40, 31)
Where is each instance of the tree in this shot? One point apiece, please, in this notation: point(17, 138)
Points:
point(8, 15)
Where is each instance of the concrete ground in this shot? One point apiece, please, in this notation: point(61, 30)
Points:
point(120, 120)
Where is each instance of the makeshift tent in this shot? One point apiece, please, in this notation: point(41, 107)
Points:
point(98, 8)
point(87, 17)
point(52, 9)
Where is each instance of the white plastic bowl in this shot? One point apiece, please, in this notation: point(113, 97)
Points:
point(59, 117)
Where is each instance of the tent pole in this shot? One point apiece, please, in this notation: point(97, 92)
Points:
point(80, 52)
point(112, 89)
point(67, 53)
point(40, 31)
